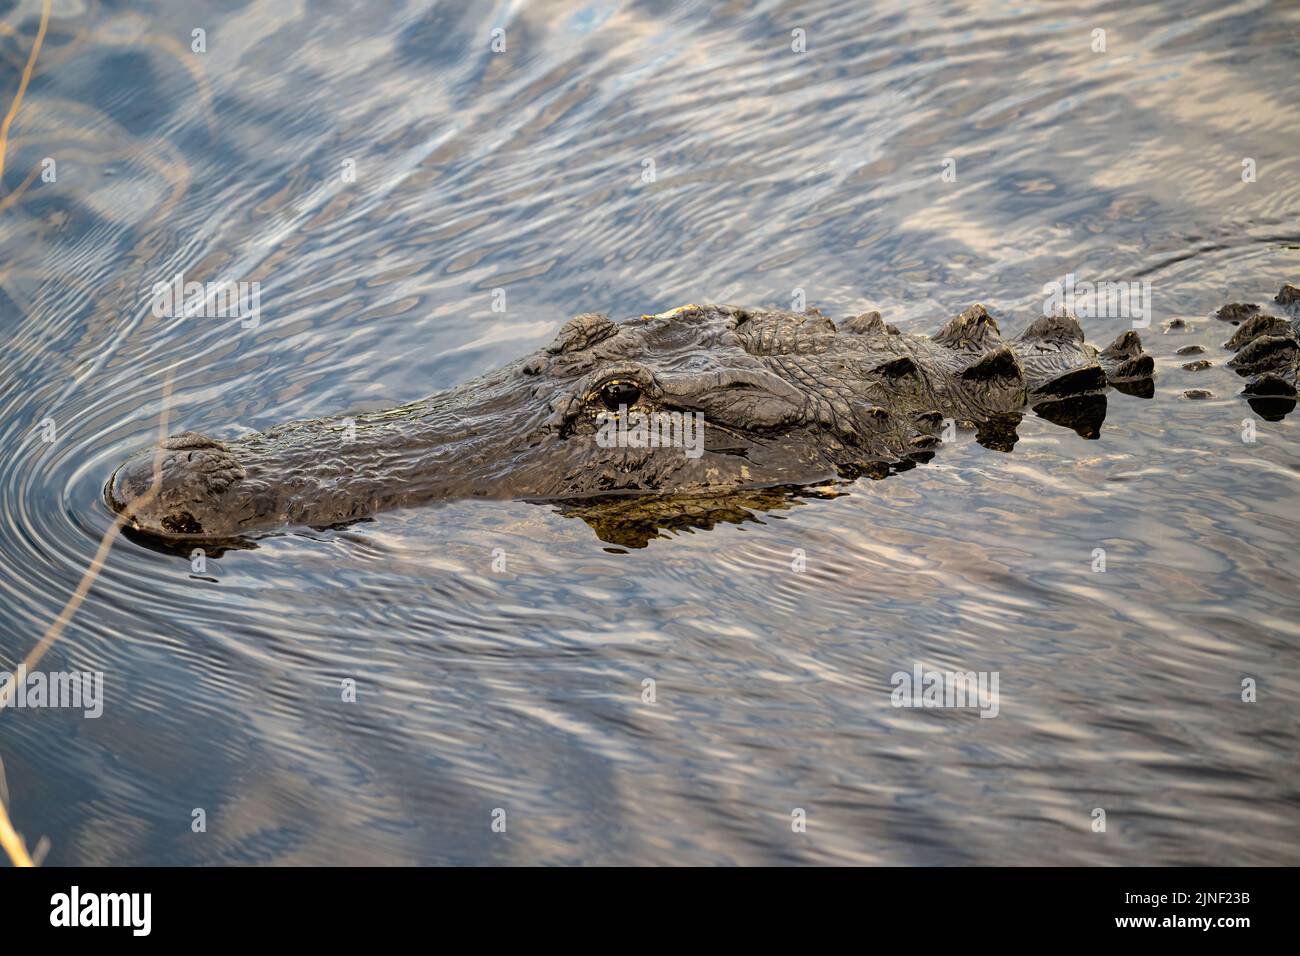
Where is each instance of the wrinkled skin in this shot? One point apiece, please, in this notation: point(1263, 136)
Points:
point(788, 400)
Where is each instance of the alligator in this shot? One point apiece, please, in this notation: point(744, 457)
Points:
point(788, 400)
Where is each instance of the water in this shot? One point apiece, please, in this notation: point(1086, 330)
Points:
point(521, 689)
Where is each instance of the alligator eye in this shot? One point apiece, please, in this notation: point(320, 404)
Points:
point(615, 394)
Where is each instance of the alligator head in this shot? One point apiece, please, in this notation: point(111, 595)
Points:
point(700, 400)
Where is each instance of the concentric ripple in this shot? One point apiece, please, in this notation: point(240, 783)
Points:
point(372, 694)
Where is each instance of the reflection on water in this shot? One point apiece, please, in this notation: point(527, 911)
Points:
point(389, 179)
point(633, 521)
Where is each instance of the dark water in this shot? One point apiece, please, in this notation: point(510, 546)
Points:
point(521, 689)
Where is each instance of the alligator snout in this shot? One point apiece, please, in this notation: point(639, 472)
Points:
point(178, 489)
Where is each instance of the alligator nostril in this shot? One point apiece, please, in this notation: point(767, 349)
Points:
point(181, 522)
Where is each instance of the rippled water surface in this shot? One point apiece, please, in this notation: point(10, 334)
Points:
point(521, 689)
